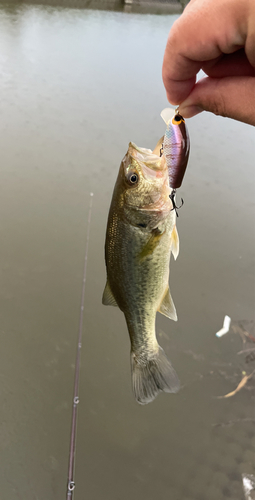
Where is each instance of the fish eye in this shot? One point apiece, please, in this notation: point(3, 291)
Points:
point(133, 178)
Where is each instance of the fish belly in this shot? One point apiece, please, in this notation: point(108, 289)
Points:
point(138, 282)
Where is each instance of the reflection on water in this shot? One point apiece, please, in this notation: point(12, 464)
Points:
point(76, 87)
point(138, 6)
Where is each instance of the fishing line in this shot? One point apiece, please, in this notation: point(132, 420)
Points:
point(71, 466)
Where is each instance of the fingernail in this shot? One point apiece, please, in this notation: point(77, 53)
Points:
point(189, 111)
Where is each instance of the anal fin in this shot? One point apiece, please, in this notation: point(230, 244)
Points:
point(108, 298)
point(167, 307)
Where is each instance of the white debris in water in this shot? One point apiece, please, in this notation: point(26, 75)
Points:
point(225, 329)
point(248, 485)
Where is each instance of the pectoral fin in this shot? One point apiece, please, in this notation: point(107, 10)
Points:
point(108, 298)
point(175, 243)
point(151, 244)
point(167, 306)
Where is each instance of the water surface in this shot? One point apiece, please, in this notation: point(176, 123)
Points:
point(76, 86)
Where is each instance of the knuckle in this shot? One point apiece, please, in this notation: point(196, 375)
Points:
point(218, 104)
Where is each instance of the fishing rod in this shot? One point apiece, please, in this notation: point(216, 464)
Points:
point(71, 466)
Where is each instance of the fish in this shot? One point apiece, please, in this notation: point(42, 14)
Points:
point(176, 146)
point(141, 234)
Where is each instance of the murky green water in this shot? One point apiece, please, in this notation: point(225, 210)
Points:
point(76, 86)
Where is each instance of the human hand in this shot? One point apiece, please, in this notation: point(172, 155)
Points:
point(217, 36)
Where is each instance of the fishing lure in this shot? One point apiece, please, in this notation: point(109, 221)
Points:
point(176, 146)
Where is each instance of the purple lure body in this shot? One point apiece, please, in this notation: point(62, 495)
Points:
point(176, 149)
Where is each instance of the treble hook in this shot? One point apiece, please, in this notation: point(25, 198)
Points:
point(172, 198)
point(161, 151)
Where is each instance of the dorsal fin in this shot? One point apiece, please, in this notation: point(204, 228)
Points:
point(108, 298)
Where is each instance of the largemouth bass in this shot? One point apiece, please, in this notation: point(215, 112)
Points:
point(141, 234)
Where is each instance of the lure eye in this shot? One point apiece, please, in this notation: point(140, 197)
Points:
point(178, 119)
point(133, 178)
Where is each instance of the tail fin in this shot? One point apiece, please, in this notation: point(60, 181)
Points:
point(151, 376)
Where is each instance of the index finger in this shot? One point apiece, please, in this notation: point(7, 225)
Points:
point(205, 31)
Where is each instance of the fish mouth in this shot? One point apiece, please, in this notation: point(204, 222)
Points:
point(152, 166)
point(148, 159)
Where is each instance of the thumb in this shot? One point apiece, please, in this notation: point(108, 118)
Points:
point(233, 97)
